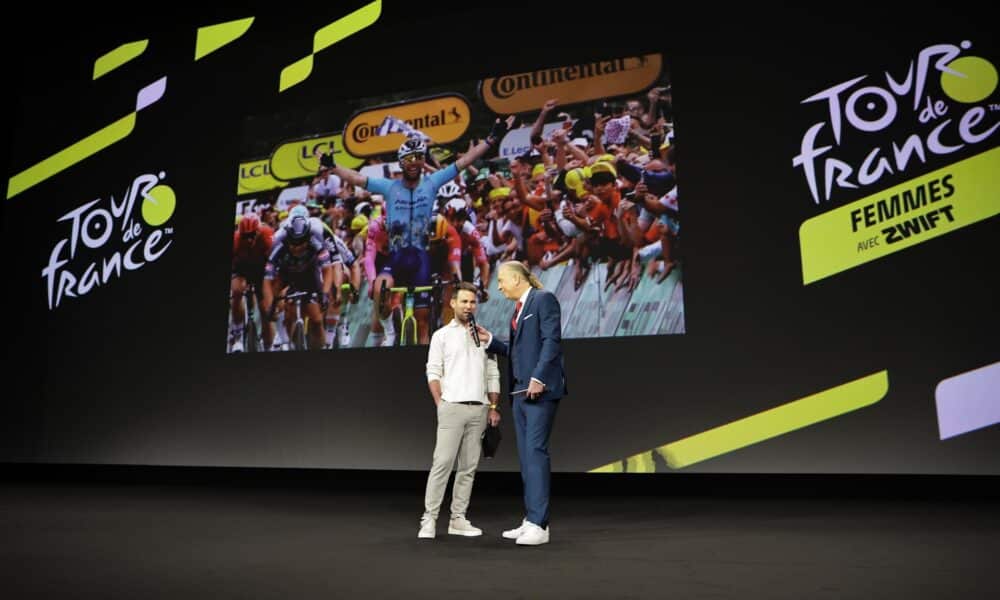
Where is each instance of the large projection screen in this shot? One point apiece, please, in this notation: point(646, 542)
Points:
point(829, 305)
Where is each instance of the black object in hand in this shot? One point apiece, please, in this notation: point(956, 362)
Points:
point(475, 330)
point(497, 132)
point(491, 440)
point(326, 160)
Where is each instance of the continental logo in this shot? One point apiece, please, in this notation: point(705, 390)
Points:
point(525, 92)
point(296, 159)
point(255, 177)
point(443, 118)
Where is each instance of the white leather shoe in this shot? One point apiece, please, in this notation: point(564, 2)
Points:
point(462, 526)
point(428, 529)
point(513, 534)
point(533, 535)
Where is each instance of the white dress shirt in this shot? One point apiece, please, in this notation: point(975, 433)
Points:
point(466, 372)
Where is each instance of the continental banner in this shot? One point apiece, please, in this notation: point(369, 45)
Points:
point(902, 216)
point(255, 177)
point(526, 92)
point(296, 159)
point(442, 118)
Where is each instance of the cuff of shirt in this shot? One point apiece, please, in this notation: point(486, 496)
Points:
point(539, 381)
point(433, 377)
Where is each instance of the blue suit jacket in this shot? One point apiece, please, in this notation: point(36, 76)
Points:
point(535, 349)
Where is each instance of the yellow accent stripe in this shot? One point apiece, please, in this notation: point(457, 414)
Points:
point(296, 73)
point(615, 467)
point(71, 155)
point(762, 426)
point(347, 26)
point(118, 57)
point(213, 37)
point(344, 27)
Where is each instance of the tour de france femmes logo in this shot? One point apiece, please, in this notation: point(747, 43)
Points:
point(105, 238)
point(942, 104)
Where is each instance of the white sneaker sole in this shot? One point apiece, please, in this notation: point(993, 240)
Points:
point(536, 542)
point(425, 536)
point(512, 534)
point(464, 533)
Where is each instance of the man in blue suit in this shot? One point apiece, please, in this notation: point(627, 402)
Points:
point(537, 381)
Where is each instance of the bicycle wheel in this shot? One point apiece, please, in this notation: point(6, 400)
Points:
point(250, 337)
point(298, 336)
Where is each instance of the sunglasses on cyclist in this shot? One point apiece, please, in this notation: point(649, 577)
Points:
point(411, 158)
point(298, 243)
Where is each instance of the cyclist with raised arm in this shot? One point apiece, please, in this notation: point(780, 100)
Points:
point(409, 204)
point(303, 264)
point(251, 246)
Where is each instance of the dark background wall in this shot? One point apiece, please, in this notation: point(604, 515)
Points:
point(134, 373)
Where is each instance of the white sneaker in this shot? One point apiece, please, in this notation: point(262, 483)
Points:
point(343, 335)
point(462, 526)
point(533, 535)
point(428, 529)
point(388, 340)
point(237, 346)
point(513, 534)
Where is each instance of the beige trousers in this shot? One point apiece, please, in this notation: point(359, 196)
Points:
point(459, 444)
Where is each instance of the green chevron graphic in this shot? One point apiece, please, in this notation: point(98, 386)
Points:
point(762, 426)
point(88, 146)
point(299, 71)
point(118, 57)
point(213, 37)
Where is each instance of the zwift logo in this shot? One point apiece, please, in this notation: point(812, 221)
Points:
point(941, 125)
point(105, 237)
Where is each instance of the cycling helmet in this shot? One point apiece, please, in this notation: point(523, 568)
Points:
point(297, 229)
point(298, 211)
point(249, 224)
point(437, 228)
point(455, 206)
point(449, 190)
point(413, 145)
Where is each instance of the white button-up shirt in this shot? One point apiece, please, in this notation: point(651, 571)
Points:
point(466, 372)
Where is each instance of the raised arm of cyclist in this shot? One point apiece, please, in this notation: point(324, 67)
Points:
point(346, 174)
point(500, 129)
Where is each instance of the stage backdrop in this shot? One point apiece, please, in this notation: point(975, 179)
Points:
point(829, 305)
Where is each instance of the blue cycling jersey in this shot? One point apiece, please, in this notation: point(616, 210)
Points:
point(408, 212)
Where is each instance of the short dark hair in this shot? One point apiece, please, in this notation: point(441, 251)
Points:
point(465, 286)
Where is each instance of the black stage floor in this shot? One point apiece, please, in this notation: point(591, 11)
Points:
point(151, 537)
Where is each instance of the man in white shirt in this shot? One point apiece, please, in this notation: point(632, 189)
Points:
point(465, 384)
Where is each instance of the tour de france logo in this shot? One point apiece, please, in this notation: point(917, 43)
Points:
point(946, 121)
point(106, 239)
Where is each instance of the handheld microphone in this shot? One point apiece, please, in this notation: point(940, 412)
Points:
point(475, 330)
